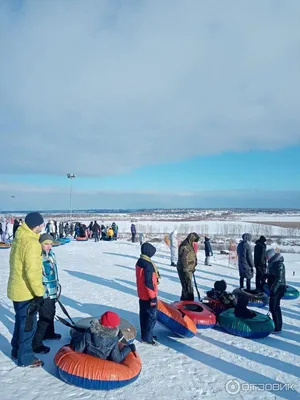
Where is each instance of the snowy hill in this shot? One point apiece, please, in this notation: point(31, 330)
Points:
point(99, 276)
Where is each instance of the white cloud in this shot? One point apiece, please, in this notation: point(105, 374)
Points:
point(35, 197)
point(100, 87)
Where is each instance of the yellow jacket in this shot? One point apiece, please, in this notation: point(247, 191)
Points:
point(25, 262)
point(110, 232)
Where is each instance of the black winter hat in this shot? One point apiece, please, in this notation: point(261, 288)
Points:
point(220, 285)
point(34, 219)
point(262, 239)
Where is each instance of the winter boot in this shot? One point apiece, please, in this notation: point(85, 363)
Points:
point(152, 343)
point(55, 336)
point(41, 349)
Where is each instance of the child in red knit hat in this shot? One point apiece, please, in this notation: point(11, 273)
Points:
point(101, 339)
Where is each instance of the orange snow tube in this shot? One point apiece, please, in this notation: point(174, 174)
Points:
point(5, 245)
point(90, 372)
point(176, 321)
point(203, 316)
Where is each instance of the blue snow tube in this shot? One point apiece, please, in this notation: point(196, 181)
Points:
point(255, 298)
point(64, 240)
point(291, 293)
point(257, 327)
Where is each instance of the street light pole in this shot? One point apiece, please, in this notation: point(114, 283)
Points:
point(12, 204)
point(71, 177)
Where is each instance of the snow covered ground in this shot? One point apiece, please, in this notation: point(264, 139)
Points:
point(99, 276)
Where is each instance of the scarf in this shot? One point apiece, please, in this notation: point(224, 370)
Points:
point(144, 257)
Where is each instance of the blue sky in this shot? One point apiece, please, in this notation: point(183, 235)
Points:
point(149, 105)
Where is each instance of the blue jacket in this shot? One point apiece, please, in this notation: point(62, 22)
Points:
point(50, 275)
point(208, 249)
point(100, 341)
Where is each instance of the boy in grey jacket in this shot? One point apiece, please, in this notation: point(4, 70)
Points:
point(101, 339)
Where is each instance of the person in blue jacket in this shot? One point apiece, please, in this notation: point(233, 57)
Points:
point(208, 251)
point(133, 232)
point(45, 325)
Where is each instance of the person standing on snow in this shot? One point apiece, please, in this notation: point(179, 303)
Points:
point(25, 287)
point(52, 229)
point(173, 247)
point(260, 263)
point(141, 238)
point(186, 265)
point(96, 231)
point(277, 285)
point(15, 227)
point(45, 325)
point(245, 259)
point(147, 279)
point(208, 251)
point(115, 228)
point(133, 232)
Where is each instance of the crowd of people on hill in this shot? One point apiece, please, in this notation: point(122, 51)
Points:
point(34, 288)
point(81, 230)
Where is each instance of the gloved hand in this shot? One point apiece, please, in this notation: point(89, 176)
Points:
point(39, 300)
point(153, 302)
point(132, 347)
point(34, 305)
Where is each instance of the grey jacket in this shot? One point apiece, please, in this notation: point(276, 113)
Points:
point(245, 257)
point(100, 342)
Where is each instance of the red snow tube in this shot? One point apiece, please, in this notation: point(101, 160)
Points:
point(202, 316)
point(90, 372)
point(176, 321)
point(81, 239)
point(215, 305)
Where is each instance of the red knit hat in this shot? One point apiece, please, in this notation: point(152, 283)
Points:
point(110, 319)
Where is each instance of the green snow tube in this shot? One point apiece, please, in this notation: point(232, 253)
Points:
point(253, 328)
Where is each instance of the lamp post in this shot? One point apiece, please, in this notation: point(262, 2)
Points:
point(12, 204)
point(71, 177)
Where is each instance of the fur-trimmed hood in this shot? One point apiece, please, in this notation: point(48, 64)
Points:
point(98, 329)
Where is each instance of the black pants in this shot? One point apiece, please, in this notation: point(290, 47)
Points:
point(148, 317)
point(260, 278)
point(248, 283)
point(275, 307)
point(187, 292)
point(133, 237)
point(45, 325)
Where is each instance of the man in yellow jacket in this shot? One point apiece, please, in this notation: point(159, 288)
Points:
point(25, 287)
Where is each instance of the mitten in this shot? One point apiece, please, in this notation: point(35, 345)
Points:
point(153, 302)
point(132, 347)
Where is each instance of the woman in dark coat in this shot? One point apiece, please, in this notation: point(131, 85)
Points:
point(260, 262)
point(277, 285)
point(245, 258)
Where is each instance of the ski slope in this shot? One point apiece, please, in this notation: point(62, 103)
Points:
point(96, 277)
